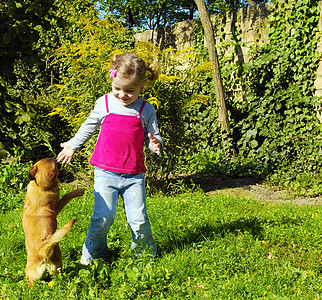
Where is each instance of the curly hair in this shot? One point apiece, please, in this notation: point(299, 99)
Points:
point(132, 67)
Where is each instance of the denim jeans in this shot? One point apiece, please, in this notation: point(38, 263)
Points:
point(107, 188)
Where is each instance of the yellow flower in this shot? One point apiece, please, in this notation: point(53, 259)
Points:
point(154, 101)
point(51, 284)
point(164, 77)
point(59, 86)
point(203, 99)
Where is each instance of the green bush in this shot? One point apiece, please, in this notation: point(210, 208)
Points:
point(13, 180)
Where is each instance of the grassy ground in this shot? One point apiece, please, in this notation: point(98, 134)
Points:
point(210, 247)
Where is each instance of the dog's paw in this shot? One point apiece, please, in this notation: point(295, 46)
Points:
point(30, 283)
point(79, 192)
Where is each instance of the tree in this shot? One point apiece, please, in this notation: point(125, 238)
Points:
point(218, 6)
point(251, 2)
point(29, 31)
point(20, 22)
point(210, 40)
point(149, 14)
point(219, 88)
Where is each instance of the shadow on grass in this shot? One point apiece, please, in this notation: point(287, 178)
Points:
point(212, 182)
point(212, 231)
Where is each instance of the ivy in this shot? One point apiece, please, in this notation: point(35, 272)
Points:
point(271, 99)
point(281, 124)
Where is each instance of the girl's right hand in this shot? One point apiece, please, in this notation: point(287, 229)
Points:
point(65, 156)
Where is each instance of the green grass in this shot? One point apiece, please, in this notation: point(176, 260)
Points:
point(210, 247)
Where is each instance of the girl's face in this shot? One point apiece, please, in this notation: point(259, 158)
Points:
point(125, 91)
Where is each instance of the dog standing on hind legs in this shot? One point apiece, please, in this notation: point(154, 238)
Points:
point(42, 204)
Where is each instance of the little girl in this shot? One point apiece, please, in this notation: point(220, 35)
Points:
point(127, 121)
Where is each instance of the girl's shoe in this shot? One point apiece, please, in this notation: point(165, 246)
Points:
point(84, 261)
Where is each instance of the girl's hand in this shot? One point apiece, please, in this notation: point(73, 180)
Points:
point(156, 145)
point(65, 156)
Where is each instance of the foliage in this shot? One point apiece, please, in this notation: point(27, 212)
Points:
point(173, 94)
point(86, 71)
point(86, 63)
point(13, 179)
point(20, 23)
point(209, 246)
point(149, 14)
point(218, 6)
point(84, 77)
point(29, 31)
point(41, 135)
point(186, 101)
point(271, 101)
point(281, 126)
point(19, 31)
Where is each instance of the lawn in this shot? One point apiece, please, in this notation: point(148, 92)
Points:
point(209, 247)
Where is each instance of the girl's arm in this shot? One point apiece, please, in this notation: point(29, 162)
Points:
point(84, 133)
point(153, 138)
point(155, 144)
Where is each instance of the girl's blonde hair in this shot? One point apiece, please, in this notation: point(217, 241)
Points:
point(132, 67)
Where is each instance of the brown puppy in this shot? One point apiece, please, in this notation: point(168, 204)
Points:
point(42, 204)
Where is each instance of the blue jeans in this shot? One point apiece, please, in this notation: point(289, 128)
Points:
point(107, 188)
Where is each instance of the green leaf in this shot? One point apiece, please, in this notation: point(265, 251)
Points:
point(253, 144)
point(251, 133)
point(22, 118)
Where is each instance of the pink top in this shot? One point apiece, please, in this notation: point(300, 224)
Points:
point(119, 147)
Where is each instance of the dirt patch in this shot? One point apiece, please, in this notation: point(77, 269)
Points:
point(247, 187)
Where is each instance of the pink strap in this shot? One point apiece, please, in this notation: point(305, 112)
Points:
point(106, 101)
point(143, 104)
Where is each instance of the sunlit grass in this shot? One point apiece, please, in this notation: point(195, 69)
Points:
point(210, 247)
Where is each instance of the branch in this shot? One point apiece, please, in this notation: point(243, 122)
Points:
point(251, 3)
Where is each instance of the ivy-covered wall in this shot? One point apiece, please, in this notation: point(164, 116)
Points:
point(252, 20)
point(251, 25)
point(318, 81)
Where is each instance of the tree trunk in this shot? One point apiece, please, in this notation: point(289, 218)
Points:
point(130, 18)
point(191, 9)
point(210, 40)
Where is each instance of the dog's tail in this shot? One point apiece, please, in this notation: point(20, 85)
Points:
point(48, 247)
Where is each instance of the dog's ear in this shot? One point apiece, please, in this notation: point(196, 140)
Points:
point(32, 173)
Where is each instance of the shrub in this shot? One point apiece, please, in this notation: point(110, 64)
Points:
point(13, 180)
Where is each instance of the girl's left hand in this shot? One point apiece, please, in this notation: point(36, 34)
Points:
point(156, 145)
